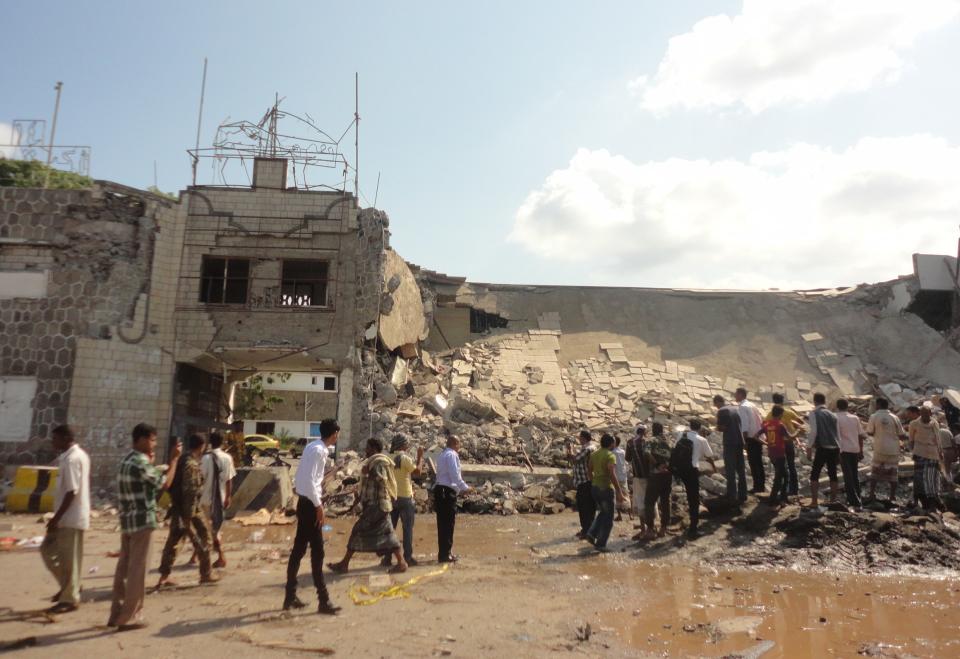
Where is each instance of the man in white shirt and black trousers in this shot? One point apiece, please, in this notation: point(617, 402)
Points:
point(308, 484)
point(449, 484)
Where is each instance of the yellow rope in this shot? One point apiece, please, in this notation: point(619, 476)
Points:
point(358, 593)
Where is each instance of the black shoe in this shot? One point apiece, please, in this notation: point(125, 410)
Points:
point(448, 559)
point(693, 534)
point(292, 602)
point(327, 609)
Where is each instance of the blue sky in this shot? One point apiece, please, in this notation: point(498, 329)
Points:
point(520, 141)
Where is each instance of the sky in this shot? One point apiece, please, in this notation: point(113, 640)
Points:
point(755, 144)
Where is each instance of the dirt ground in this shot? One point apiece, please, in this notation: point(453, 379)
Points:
point(524, 587)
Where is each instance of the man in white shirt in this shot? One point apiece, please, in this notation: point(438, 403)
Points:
point(851, 451)
point(449, 484)
point(218, 473)
point(750, 424)
point(308, 484)
point(691, 479)
point(62, 548)
point(887, 433)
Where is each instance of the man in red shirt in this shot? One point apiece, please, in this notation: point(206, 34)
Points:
point(777, 437)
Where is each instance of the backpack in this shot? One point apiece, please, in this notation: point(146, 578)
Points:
point(681, 457)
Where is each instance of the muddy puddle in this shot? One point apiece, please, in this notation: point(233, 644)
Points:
point(679, 611)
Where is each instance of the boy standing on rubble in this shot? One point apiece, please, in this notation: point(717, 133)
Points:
point(778, 438)
point(793, 423)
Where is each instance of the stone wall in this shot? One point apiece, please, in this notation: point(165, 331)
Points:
point(109, 254)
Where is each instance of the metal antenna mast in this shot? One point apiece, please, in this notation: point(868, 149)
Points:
point(356, 136)
point(53, 134)
point(203, 89)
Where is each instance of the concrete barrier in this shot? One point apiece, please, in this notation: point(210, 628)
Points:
point(260, 487)
point(33, 488)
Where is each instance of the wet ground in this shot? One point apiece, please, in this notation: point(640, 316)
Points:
point(525, 587)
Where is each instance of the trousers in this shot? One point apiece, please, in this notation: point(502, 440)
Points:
point(197, 531)
point(691, 483)
point(735, 471)
point(603, 522)
point(445, 504)
point(405, 511)
point(779, 490)
point(755, 458)
point(308, 533)
point(129, 578)
point(849, 463)
point(62, 552)
point(658, 491)
point(793, 482)
point(586, 506)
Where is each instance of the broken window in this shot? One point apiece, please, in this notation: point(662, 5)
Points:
point(481, 321)
point(304, 284)
point(224, 281)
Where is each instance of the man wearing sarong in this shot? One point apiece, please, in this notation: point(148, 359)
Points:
point(927, 460)
point(887, 432)
point(373, 531)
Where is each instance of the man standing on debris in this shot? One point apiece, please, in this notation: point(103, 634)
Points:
point(449, 484)
point(62, 548)
point(639, 467)
point(887, 433)
point(825, 440)
point(586, 508)
point(778, 438)
point(218, 475)
point(604, 483)
point(734, 469)
point(689, 475)
point(186, 518)
point(139, 485)
point(308, 485)
point(750, 422)
point(924, 435)
point(373, 531)
point(851, 451)
point(793, 422)
point(621, 455)
point(659, 481)
point(404, 508)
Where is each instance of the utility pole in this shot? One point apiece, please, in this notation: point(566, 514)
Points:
point(196, 148)
point(356, 137)
point(53, 133)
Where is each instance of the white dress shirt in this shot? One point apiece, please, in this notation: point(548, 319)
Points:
point(73, 475)
point(850, 429)
point(701, 448)
point(448, 471)
point(308, 481)
point(227, 472)
point(750, 419)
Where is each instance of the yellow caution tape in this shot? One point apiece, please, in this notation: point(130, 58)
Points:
point(362, 596)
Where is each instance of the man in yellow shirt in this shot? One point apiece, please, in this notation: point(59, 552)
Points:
point(603, 470)
point(404, 508)
point(792, 422)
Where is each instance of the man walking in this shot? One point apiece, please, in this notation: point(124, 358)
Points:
point(449, 484)
point(373, 531)
point(139, 485)
point(887, 433)
point(734, 469)
point(186, 518)
point(793, 422)
point(826, 444)
point(659, 482)
point(218, 474)
point(62, 548)
point(851, 451)
point(689, 474)
point(586, 508)
point(308, 484)
point(404, 508)
point(604, 483)
point(750, 422)
point(621, 455)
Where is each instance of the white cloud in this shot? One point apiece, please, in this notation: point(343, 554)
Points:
point(804, 217)
point(778, 52)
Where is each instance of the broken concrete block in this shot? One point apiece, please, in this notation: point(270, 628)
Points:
point(552, 402)
point(386, 392)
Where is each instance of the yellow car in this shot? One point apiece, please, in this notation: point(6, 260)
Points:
point(262, 442)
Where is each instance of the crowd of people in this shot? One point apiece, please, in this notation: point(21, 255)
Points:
point(830, 439)
point(199, 483)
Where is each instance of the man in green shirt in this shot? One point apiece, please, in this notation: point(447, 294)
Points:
point(604, 481)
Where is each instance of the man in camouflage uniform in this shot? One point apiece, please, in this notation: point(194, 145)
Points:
point(186, 519)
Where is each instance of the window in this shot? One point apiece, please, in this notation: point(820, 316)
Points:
point(330, 383)
point(304, 284)
point(224, 281)
point(265, 427)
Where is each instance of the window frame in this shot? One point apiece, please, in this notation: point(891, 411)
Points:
point(326, 285)
point(225, 279)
